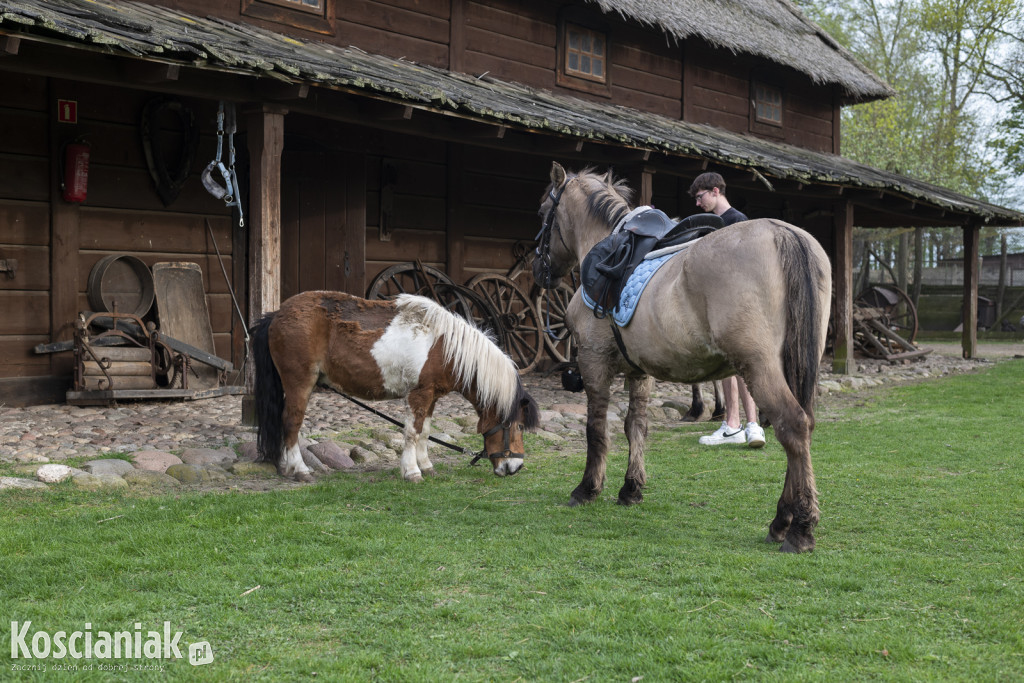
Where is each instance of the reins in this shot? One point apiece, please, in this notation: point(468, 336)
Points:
point(507, 426)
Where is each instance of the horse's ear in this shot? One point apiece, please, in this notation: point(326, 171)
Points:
point(609, 177)
point(557, 174)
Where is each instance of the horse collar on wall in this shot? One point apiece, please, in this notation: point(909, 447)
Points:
point(156, 127)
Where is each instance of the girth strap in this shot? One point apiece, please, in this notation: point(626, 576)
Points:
point(622, 348)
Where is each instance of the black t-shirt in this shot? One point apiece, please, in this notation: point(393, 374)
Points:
point(732, 215)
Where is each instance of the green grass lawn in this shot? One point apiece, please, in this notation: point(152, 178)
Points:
point(917, 574)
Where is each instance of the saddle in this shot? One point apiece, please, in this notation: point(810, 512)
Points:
point(607, 266)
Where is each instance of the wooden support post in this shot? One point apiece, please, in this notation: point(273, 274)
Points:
point(972, 234)
point(265, 128)
point(64, 238)
point(455, 233)
point(842, 280)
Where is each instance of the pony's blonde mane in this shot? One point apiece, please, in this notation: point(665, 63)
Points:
point(472, 354)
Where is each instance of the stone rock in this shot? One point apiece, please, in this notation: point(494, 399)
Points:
point(570, 408)
point(109, 466)
point(246, 468)
point(20, 483)
point(550, 416)
point(332, 455)
point(150, 479)
point(248, 451)
point(95, 482)
point(154, 461)
point(186, 474)
point(363, 456)
point(208, 456)
point(313, 462)
point(31, 457)
point(54, 474)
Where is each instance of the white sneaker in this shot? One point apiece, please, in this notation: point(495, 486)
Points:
point(754, 434)
point(724, 434)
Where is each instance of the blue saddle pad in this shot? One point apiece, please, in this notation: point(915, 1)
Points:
point(632, 290)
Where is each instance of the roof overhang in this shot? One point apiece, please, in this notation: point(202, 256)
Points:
point(157, 43)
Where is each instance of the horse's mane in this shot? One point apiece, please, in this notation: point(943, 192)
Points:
point(472, 354)
point(608, 199)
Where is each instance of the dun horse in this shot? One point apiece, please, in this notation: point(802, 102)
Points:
point(752, 299)
point(410, 347)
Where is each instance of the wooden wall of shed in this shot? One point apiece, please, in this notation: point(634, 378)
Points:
point(517, 42)
point(122, 215)
point(717, 91)
point(24, 225)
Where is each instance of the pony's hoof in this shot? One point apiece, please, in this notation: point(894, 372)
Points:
point(690, 418)
point(304, 477)
point(429, 472)
point(414, 478)
point(770, 538)
point(576, 502)
point(631, 500)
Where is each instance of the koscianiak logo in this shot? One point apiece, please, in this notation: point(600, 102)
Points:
point(137, 649)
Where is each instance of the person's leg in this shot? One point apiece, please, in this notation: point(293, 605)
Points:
point(732, 405)
point(753, 431)
point(731, 431)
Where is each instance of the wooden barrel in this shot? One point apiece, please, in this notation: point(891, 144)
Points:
point(122, 282)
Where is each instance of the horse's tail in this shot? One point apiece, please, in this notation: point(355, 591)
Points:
point(269, 395)
point(801, 351)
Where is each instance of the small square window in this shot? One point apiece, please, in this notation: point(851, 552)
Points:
point(585, 53)
point(767, 104)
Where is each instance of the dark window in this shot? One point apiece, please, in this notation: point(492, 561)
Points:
point(312, 15)
point(583, 59)
point(767, 104)
point(585, 53)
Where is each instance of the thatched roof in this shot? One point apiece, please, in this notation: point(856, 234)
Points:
point(150, 32)
point(774, 29)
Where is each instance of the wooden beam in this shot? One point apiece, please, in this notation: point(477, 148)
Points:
point(265, 128)
point(282, 91)
point(64, 236)
point(9, 45)
point(149, 72)
point(972, 239)
point(842, 281)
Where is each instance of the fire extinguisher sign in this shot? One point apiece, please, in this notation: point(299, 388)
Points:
point(67, 111)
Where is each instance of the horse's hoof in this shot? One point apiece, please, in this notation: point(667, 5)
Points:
point(631, 500)
point(304, 477)
point(689, 418)
point(414, 478)
point(576, 502)
point(799, 547)
point(770, 538)
point(429, 472)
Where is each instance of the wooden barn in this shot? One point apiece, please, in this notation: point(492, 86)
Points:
point(370, 133)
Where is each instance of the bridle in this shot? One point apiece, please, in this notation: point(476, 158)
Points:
point(549, 225)
point(506, 451)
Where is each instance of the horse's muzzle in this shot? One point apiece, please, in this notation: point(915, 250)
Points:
point(508, 467)
point(542, 273)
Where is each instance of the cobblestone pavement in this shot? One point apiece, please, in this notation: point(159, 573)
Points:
point(51, 433)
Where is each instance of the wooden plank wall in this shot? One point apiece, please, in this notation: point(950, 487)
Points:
point(24, 225)
point(514, 42)
point(717, 92)
point(414, 29)
point(122, 215)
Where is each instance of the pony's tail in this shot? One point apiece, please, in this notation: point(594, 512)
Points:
point(269, 395)
point(801, 352)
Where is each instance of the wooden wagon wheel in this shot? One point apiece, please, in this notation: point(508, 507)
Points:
point(517, 318)
point(551, 305)
point(892, 310)
point(405, 278)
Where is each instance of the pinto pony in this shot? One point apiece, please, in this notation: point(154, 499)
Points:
point(751, 298)
point(409, 347)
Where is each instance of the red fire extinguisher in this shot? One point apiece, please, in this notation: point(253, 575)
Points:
point(75, 180)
